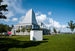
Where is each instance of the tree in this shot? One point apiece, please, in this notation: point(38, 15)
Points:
point(12, 26)
point(2, 8)
point(59, 31)
point(54, 30)
point(18, 30)
point(71, 25)
point(23, 29)
point(4, 28)
point(28, 28)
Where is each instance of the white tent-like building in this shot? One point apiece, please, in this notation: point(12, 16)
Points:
point(28, 22)
point(30, 18)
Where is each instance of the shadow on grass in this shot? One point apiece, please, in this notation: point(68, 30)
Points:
point(6, 43)
point(45, 39)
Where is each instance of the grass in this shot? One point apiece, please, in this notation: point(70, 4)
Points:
point(62, 42)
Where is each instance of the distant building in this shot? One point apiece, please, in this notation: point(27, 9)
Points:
point(29, 22)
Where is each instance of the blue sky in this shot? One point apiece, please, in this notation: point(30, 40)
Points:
point(61, 11)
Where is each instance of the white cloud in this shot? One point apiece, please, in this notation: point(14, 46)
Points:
point(64, 26)
point(49, 13)
point(6, 20)
point(52, 23)
point(15, 6)
point(41, 18)
point(38, 13)
point(22, 19)
point(56, 24)
point(10, 14)
point(14, 19)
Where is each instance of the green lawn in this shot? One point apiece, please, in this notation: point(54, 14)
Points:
point(64, 42)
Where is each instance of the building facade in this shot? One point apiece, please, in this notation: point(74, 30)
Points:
point(28, 23)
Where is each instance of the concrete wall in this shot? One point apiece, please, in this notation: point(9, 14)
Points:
point(36, 35)
point(23, 33)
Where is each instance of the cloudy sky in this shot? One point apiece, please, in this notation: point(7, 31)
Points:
point(53, 13)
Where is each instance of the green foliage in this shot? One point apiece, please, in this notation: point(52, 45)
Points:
point(18, 30)
point(54, 30)
point(2, 8)
point(23, 29)
point(4, 28)
point(71, 25)
point(59, 31)
point(28, 30)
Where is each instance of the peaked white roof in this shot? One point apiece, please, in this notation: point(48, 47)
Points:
point(30, 18)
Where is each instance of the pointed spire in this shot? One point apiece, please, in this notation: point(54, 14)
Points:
point(30, 17)
point(31, 9)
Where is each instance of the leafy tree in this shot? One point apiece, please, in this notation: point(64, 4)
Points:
point(23, 29)
point(59, 31)
point(12, 26)
point(71, 25)
point(28, 30)
point(54, 30)
point(2, 8)
point(4, 28)
point(18, 30)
